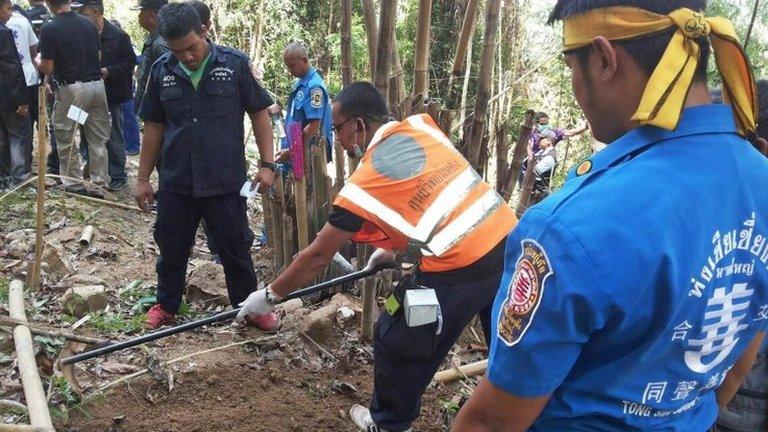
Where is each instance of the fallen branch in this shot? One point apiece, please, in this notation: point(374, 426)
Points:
point(12, 404)
point(9, 322)
point(466, 371)
point(105, 202)
point(318, 346)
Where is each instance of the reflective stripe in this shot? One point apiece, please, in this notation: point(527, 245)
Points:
point(417, 122)
point(465, 222)
point(365, 200)
point(447, 201)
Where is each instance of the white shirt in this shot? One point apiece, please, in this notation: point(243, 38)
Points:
point(546, 162)
point(25, 37)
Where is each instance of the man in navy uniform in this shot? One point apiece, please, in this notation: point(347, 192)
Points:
point(193, 111)
point(154, 46)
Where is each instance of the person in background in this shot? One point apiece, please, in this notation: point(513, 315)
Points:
point(193, 110)
point(117, 64)
point(26, 45)
point(154, 46)
point(541, 128)
point(14, 100)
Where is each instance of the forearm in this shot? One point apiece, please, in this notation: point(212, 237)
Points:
point(262, 131)
point(151, 145)
point(307, 265)
point(738, 372)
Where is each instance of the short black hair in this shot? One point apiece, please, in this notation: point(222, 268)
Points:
point(645, 50)
point(762, 108)
point(540, 115)
point(361, 98)
point(57, 3)
point(177, 20)
point(202, 10)
point(99, 8)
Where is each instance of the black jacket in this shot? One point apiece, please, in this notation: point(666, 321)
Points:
point(13, 85)
point(118, 57)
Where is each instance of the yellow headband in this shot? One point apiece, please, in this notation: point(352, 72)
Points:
point(664, 97)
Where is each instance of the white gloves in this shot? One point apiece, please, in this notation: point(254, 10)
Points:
point(379, 257)
point(256, 304)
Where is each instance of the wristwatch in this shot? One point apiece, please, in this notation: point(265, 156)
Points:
point(268, 165)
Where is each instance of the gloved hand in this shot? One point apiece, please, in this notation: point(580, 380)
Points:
point(256, 304)
point(380, 257)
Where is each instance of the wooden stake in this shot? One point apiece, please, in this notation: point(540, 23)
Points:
point(346, 42)
point(420, 64)
point(484, 84)
point(288, 240)
point(517, 158)
point(368, 288)
point(37, 404)
point(42, 129)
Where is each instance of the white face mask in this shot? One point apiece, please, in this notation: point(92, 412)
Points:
point(357, 149)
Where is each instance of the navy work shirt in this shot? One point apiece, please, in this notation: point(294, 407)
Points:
point(630, 293)
point(203, 142)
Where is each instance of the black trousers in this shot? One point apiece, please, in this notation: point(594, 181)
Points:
point(406, 358)
point(178, 217)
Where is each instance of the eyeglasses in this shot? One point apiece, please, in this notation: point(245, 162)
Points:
point(338, 127)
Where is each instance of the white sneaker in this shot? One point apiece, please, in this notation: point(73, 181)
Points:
point(361, 416)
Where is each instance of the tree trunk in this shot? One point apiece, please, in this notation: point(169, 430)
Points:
point(463, 45)
point(484, 84)
point(387, 16)
point(369, 16)
point(421, 55)
point(346, 42)
point(517, 159)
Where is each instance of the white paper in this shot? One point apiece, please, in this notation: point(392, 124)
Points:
point(77, 114)
point(246, 190)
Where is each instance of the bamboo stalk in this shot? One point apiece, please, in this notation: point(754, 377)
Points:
point(21, 428)
point(420, 64)
point(34, 394)
point(371, 30)
point(103, 201)
point(484, 84)
point(288, 240)
point(517, 158)
point(387, 15)
point(346, 43)
point(467, 28)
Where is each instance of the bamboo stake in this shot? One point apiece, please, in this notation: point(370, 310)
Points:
point(464, 94)
point(387, 16)
point(371, 30)
point(483, 89)
point(346, 42)
point(467, 370)
point(302, 214)
point(527, 188)
point(34, 394)
point(21, 428)
point(288, 240)
point(420, 64)
point(103, 201)
point(517, 158)
point(42, 128)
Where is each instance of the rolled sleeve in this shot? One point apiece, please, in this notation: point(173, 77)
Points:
point(255, 98)
point(547, 307)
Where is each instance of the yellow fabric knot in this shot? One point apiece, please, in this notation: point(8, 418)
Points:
point(664, 97)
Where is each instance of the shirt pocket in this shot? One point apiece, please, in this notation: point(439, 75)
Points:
point(222, 98)
point(173, 104)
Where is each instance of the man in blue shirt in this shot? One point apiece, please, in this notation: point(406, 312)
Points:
point(629, 295)
point(193, 109)
point(308, 103)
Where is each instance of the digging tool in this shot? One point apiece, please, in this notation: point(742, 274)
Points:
point(228, 315)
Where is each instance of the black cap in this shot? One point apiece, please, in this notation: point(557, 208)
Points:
point(88, 3)
point(150, 4)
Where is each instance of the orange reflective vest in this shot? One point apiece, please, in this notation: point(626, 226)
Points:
point(413, 187)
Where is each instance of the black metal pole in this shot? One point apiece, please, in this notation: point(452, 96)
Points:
point(216, 318)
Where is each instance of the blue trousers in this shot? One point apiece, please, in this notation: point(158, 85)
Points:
point(131, 128)
point(406, 358)
point(178, 218)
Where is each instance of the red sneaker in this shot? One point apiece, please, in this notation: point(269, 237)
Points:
point(158, 317)
point(268, 322)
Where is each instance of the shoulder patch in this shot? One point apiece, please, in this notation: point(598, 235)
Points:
point(317, 98)
point(524, 293)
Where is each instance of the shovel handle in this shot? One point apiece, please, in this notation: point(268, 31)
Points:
point(223, 316)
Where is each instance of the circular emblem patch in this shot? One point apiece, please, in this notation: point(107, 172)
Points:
point(524, 290)
point(584, 168)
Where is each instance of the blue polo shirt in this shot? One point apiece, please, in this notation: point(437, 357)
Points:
point(309, 101)
point(203, 142)
point(630, 293)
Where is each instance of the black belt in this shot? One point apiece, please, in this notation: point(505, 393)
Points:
point(70, 82)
